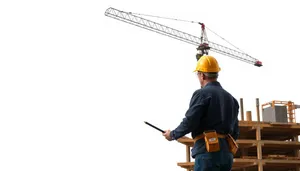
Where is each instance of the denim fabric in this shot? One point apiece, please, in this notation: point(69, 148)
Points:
point(216, 161)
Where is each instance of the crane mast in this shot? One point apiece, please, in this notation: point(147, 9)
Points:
point(202, 43)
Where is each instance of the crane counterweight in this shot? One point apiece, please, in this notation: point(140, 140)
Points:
point(258, 63)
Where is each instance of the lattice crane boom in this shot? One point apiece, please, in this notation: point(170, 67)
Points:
point(202, 42)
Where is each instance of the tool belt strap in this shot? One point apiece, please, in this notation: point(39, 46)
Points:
point(198, 137)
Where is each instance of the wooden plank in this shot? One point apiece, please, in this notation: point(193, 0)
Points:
point(245, 141)
point(188, 154)
point(269, 133)
point(186, 141)
point(269, 142)
point(243, 166)
point(276, 156)
point(284, 157)
point(258, 138)
point(266, 142)
point(239, 160)
point(257, 110)
point(249, 157)
point(248, 163)
point(186, 165)
point(281, 124)
point(238, 163)
point(280, 150)
point(260, 166)
point(268, 124)
point(278, 161)
point(297, 152)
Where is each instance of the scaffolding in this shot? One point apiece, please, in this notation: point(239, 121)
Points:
point(290, 108)
point(263, 146)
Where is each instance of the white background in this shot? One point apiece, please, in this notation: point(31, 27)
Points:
point(76, 86)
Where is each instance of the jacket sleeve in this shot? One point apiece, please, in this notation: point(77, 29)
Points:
point(236, 130)
point(197, 108)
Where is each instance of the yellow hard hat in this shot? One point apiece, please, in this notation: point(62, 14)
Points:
point(207, 64)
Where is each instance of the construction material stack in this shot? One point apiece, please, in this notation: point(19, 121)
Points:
point(263, 145)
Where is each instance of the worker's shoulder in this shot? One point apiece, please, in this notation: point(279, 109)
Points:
point(198, 92)
point(206, 90)
point(202, 92)
point(232, 97)
point(227, 92)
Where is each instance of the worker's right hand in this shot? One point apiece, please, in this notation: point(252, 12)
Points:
point(167, 135)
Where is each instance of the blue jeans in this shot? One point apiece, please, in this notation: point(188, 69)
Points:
point(216, 161)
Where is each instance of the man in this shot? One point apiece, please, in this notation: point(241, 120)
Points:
point(211, 108)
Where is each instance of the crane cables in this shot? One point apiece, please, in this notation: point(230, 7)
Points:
point(181, 20)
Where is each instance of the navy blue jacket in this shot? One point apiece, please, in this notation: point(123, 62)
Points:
point(211, 108)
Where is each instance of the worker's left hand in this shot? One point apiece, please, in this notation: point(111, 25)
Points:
point(167, 135)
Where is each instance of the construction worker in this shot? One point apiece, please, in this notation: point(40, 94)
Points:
point(212, 112)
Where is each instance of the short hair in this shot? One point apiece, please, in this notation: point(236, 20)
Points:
point(211, 75)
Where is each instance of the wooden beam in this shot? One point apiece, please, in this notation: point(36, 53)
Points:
point(188, 154)
point(186, 141)
point(257, 109)
point(297, 152)
point(186, 165)
point(263, 130)
point(294, 143)
point(258, 138)
point(269, 124)
point(260, 166)
point(243, 163)
point(244, 166)
point(246, 141)
point(248, 116)
point(277, 161)
point(237, 162)
point(242, 109)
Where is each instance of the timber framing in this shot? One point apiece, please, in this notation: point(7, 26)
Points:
point(263, 146)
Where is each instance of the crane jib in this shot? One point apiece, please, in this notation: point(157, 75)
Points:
point(179, 35)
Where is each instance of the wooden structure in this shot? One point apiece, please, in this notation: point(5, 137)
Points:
point(263, 146)
point(290, 108)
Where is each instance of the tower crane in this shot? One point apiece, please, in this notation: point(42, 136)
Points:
point(202, 43)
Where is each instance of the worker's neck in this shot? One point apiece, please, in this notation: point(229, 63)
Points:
point(208, 81)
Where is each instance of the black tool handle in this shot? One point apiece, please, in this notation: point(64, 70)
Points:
point(154, 127)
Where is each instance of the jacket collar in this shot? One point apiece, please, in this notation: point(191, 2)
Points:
point(213, 83)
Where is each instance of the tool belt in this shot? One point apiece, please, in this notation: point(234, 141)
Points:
point(212, 144)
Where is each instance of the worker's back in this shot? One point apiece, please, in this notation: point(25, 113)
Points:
point(221, 114)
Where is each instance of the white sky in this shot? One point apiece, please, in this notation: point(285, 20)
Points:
point(76, 85)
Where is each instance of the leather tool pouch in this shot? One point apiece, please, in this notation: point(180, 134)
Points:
point(211, 141)
point(233, 147)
